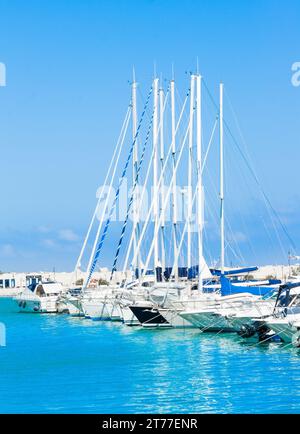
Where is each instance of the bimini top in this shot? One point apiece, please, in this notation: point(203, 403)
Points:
point(48, 288)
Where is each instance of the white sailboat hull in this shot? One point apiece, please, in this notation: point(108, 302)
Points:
point(98, 310)
point(286, 328)
point(70, 305)
point(208, 321)
point(128, 317)
point(174, 319)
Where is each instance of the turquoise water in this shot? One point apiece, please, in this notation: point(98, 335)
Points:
point(59, 364)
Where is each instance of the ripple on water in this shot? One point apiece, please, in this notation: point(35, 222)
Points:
point(60, 364)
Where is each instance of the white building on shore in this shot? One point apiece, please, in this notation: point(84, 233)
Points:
point(12, 283)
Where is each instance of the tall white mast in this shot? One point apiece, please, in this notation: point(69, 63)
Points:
point(109, 178)
point(113, 163)
point(167, 195)
point(199, 180)
point(155, 173)
point(174, 192)
point(135, 165)
point(190, 166)
point(162, 156)
point(222, 182)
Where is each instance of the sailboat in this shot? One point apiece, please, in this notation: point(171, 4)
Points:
point(167, 297)
point(158, 309)
point(283, 320)
point(213, 315)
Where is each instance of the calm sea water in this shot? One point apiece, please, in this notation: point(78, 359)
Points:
point(59, 364)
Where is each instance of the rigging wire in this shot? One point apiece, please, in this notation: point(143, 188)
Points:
point(114, 267)
point(253, 173)
point(118, 191)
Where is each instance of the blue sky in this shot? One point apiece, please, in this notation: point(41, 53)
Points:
point(68, 66)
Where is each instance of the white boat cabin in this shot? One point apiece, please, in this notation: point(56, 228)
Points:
point(48, 289)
